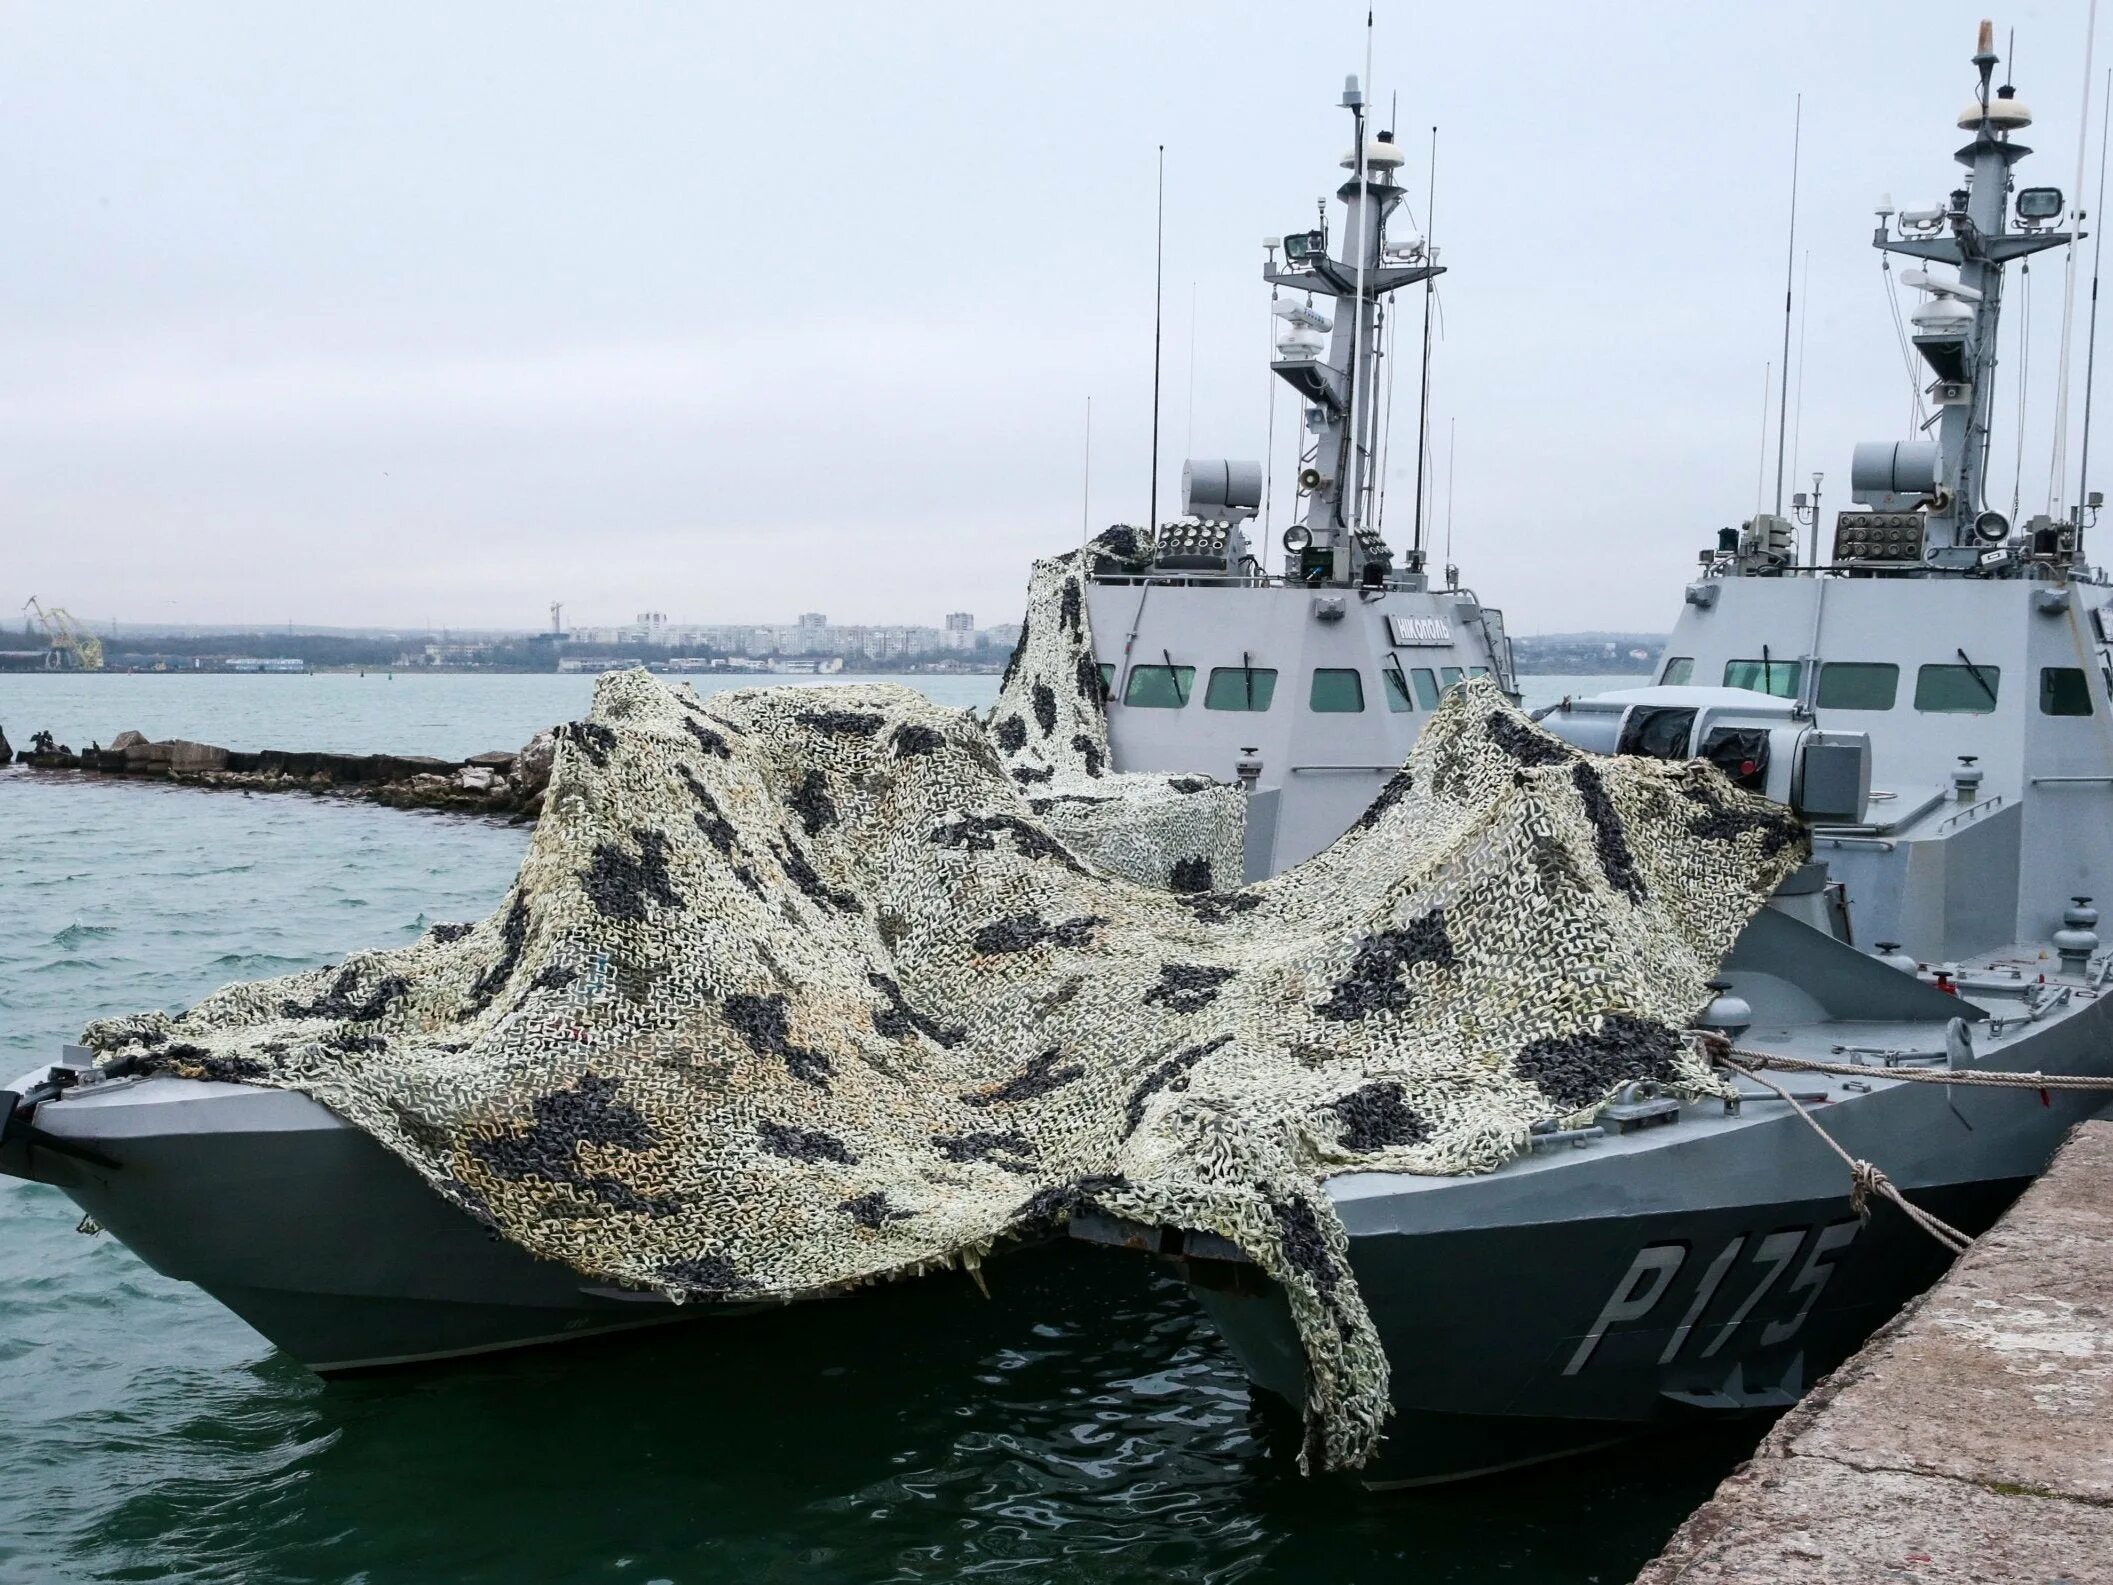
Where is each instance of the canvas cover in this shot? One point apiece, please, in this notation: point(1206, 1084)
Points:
point(802, 988)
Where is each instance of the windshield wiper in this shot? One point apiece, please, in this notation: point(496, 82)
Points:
point(1975, 672)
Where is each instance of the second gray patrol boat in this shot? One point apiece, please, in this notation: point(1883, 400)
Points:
point(1196, 634)
point(1931, 697)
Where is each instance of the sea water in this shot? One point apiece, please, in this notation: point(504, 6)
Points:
point(1082, 1423)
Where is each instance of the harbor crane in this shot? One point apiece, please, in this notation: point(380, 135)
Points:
point(72, 646)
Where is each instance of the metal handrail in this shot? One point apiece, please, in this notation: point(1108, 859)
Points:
point(1991, 802)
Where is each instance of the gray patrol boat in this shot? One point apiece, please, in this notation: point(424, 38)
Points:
point(337, 1252)
point(1195, 633)
point(1931, 697)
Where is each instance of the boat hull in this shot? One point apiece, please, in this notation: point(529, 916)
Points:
point(1613, 1292)
point(310, 1231)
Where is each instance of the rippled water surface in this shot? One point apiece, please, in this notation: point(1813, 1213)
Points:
point(1082, 1424)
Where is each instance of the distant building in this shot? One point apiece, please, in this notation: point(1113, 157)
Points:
point(283, 663)
point(813, 619)
point(452, 655)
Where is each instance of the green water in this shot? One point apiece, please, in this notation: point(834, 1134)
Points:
point(1082, 1424)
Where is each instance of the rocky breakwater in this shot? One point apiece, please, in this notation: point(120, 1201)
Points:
point(497, 783)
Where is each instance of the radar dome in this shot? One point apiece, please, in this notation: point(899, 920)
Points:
point(1379, 156)
point(2004, 113)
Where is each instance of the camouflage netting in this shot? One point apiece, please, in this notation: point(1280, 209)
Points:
point(1050, 726)
point(799, 989)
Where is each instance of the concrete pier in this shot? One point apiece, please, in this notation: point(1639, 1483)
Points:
point(1970, 1440)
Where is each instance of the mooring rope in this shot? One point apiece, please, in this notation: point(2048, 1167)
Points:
point(1865, 1178)
point(2000, 1080)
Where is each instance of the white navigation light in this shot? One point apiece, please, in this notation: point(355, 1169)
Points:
point(2039, 204)
point(1297, 538)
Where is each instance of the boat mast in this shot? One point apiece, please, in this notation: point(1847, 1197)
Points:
point(1956, 332)
point(1336, 379)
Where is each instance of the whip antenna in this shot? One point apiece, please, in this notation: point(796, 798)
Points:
point(2098, 253)
point(1430, 285)
point(1790, 254)
point(2055, 482)
point(1159, 244)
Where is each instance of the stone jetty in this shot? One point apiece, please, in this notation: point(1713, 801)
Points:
point(498, 783)
point(1971, 1439)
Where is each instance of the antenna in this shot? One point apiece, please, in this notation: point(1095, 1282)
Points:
point(2055, 481)
point(1086, 487)
point(1452, 436)
point(1760, 472)
point(1423, 400)
point(1790, 255)
point(1269, 444)
point(1797, 420)
point(2098, 252)
point(1159, 245)
point(1356, 416)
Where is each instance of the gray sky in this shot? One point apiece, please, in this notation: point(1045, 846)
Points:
point(397, 314)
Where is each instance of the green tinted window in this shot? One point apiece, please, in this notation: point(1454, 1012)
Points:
point(1478, 671)
point(1160, 687)
point(1858, 685)
point(1337, 690)
point(2064, 690)
point(1450, 675)
point(1396, 688)
point(1677, 670)
point(1779, 677)
point(1240, 688)
point(1955, 689)
point(1107, 679)
point(1426, 687)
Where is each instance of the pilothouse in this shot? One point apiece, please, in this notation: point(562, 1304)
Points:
point(1304, 669)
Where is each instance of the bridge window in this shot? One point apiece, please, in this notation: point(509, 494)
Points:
point(2064, 690)
point(1240, 688)
point(1450, 675)
point(1396, 688)
point(1107, 679)
point(1957, 690)
point(1778, 677)
point(1337, 690)
point(1677, 671)
point(1426, 682)
point(1858, 685)
point(1160, 687)
point(1478, 671)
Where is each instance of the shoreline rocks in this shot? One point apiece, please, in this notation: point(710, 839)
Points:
point(491, 783)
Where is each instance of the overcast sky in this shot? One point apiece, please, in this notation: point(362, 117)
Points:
point(393, 314)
